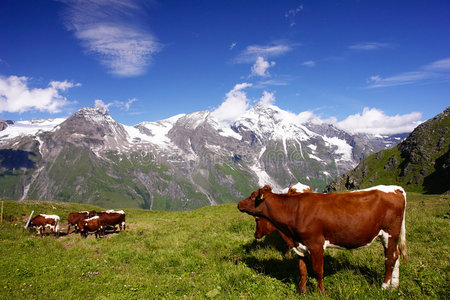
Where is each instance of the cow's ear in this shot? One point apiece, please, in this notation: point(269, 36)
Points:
point(266, 188)
point(260, 197)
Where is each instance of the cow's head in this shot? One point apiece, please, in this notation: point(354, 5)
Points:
point(263, 227)
point(251, 205)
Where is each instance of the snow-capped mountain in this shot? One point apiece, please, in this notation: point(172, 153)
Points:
point(186, 161)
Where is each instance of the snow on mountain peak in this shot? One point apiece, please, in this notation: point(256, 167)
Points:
point(32, 127)
point(272, 122)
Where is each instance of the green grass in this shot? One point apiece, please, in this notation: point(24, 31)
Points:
point(209, 253)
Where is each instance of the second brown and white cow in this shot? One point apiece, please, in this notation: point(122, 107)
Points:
point(42, 221)
point(264, 227)
point(74, 218)
point(92, 224)
point(315, 222)
point(111, 218)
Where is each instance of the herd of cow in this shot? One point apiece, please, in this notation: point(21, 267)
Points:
point(308, 222)
point(312, 222)
point(83, 222)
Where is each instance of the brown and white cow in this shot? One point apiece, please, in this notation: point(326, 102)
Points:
point(111, 218)
point(74, 218)
point(316, 221)
point(264, 227)
point(92, 224)
point(40, 222)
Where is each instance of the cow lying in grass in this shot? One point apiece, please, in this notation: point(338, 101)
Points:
point(315, 221)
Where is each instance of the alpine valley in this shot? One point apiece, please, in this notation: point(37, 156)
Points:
point(181, 163)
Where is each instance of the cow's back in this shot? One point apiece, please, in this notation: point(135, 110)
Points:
point(347, 219)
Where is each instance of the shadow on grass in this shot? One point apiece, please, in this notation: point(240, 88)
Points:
point(286, 269)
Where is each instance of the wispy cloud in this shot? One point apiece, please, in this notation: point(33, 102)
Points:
point(438, 70)
point(292, 13)
point(17, 97)
point(368, 46)
point(114, 33)
point(251, 53)
point(233, 45)
point(119, 104)
point(309, 63)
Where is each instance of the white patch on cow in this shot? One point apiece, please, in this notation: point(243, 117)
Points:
point(395, 281)
point(384, 237)
point(385, 286)
point(92, 218)
point(327, 244)
point(299, 187)
point(55, 217)
point(385, 189)
point(301, 250)
point(113, 211)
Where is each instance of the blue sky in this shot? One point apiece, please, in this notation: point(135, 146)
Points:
point(342, 61)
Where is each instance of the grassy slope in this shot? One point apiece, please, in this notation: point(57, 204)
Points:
point(208, 253)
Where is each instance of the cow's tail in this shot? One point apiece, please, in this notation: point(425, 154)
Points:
point(402, 238)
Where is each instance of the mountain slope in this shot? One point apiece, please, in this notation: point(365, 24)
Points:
point(420, 163)
point(184, 162)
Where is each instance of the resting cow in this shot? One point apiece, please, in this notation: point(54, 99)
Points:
point(111, 218)
point(316, 221)
point(91, 225)
point(40, 222)
point(74, 218)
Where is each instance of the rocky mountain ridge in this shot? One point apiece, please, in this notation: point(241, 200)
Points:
point(184, 162)
point(420, 163)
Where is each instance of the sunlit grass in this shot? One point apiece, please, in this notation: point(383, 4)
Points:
point(209, 253)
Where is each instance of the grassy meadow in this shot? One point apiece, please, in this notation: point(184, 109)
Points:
point(209, 253)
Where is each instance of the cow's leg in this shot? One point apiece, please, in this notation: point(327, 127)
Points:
point(68, 228)
point(317, 264)
point(392, 264)
point(303, 274)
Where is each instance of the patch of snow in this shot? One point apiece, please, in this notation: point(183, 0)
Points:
point(315, 157)
point(22, 128)
point(312, 147)
point(344, 149)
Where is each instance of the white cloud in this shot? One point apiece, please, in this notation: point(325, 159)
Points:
point(290, 14)
point(367, 46)
point(119, 104)
point(16, 96)
point(260, 67)
point(251, 53)
point(309, 63)
point(110, 30)
point(267, 98)
point(375, 121)
point(235, 105)
point(232, 45)
point(438, 70)
point(440, 65)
